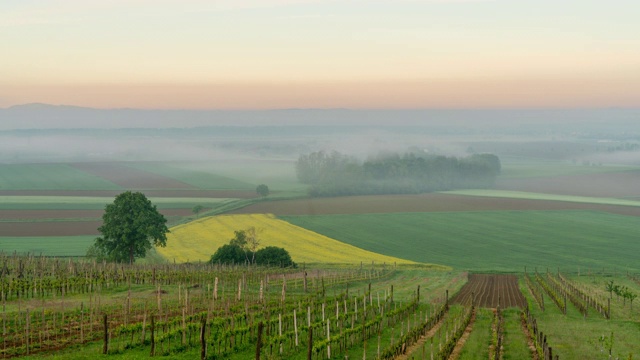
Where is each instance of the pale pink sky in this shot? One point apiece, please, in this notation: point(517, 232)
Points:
point(323, 53)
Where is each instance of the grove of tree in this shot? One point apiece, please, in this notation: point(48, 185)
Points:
point(335, 174)
point(242, 249)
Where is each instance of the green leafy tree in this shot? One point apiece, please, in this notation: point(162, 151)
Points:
point(196, 209)
point(618, 290)
point(631, 296)
point(253, 241)
point(241, 240)
point(131, 226)
point(229, 254)
point(262, 190)
point(610, 287)
point(274, 256)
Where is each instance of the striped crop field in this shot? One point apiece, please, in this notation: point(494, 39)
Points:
point(491, 240)
point(198, 240)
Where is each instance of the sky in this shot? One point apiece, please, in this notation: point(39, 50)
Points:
point(271, 54)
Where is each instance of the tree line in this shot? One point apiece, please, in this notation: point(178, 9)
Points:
point(335, 174)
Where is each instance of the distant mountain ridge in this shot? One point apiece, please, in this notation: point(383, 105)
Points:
point(46, 116)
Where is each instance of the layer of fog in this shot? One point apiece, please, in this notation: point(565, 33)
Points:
point(287, 143)
point(68, 134)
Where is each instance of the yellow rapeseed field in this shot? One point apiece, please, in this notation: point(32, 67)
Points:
point(198, 240)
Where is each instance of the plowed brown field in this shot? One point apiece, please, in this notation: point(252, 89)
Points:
point(49, 228)
point(618, 185)
point(490, 291)
point(18, 223)
point(72, 214)
point(177, 193)
point(418, 203)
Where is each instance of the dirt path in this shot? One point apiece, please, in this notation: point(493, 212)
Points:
point(416, 347)
point(467, 332)
point(532, 347)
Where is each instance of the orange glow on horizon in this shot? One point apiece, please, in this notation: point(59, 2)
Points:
point(489, 93)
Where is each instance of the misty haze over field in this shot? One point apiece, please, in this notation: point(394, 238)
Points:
point(46, 133)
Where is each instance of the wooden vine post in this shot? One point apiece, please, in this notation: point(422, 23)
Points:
point(310, 346)
point(295, 325)
point(153, 339)
point(328, 340)
point(259, 342)
point(105, 347)
point(203, 342)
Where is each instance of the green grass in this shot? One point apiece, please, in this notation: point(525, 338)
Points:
point(539, 196)
point(515, 342)
point(477, 345)
point(49, 246)
point(573, 337)
point(491, 241)
point(279, 175)
point(50, 177)
point(197, 178)
point(595, 285)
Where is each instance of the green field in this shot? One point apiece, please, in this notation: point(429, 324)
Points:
point(279, 175)
point(50, 177)
point(62, 246)
point(491, 241)
point(197, 178)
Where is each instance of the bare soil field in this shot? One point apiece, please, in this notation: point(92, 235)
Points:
point(491, 290)
point(617, 185)
point(130, 178)
point(72, 214)
point(418, 203)
point(184, 193)
point(49, 228)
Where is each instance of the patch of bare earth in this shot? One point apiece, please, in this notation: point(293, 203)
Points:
point(73, 214)
point(418, 203)
point(491, 291)
point(619, 185)
point(49, 228)
point(171, 193)
point(463, 339)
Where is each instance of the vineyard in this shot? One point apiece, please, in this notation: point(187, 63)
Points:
point(55, 306)
point(76, 309)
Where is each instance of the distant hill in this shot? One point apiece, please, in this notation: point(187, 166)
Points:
point(45, 116)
